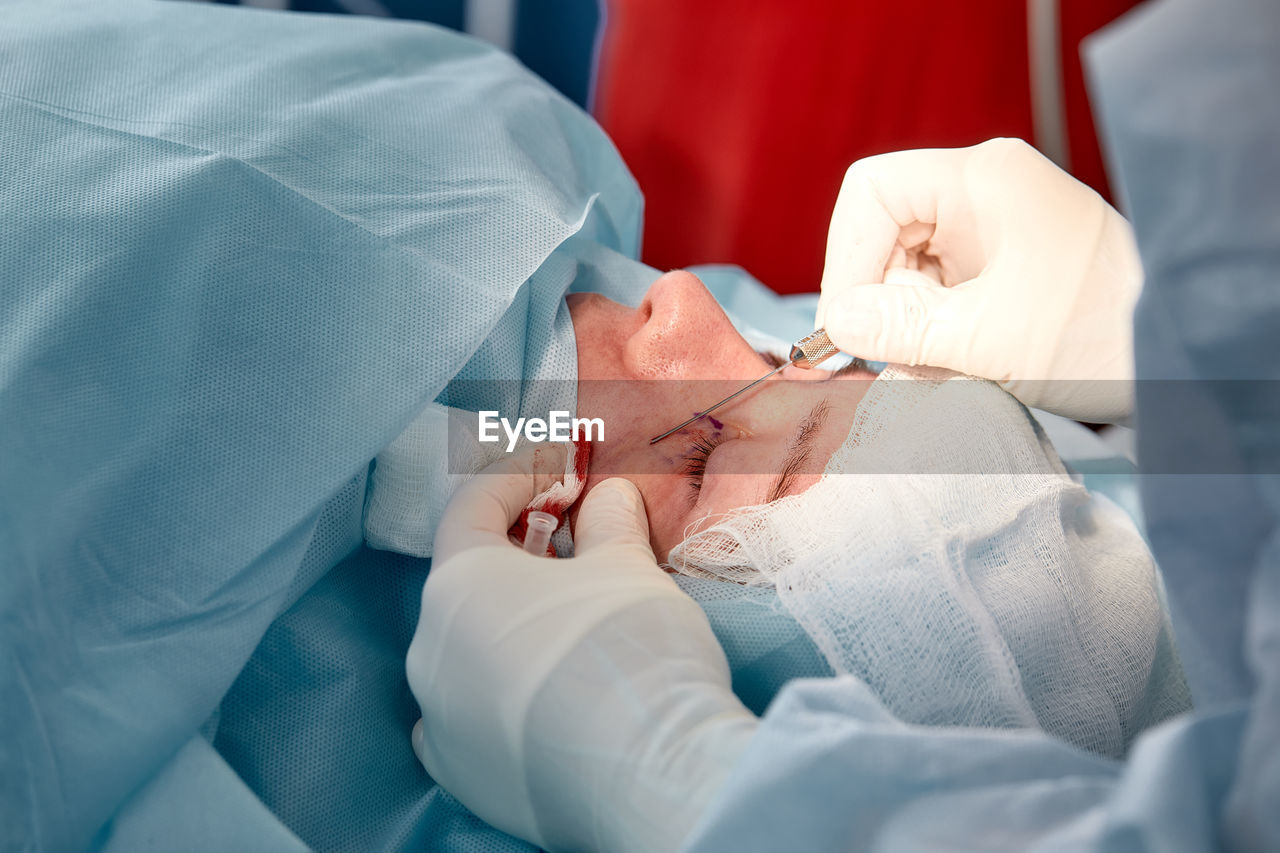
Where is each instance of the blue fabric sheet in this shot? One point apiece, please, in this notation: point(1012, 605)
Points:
point(241, 250)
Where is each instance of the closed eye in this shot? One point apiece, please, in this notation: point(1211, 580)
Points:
point(695, 462)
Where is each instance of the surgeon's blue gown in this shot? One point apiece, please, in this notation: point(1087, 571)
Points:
point(1189, 107)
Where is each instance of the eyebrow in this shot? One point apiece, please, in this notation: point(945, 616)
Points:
point(858, 365)
point(800, 450)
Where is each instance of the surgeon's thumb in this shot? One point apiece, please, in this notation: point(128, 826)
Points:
point(899, 323)
point(613, 516)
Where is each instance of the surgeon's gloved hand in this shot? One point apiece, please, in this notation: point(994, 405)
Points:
point(990, 261)
point(583, 703)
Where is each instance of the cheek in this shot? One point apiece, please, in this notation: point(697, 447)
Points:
point(614, 403)
point(599, 327)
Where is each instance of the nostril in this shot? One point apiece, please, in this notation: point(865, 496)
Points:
point(681, 330)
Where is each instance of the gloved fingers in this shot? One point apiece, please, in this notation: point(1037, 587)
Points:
point(417, 739)
point(915, 323)
point(613, 516)
point(481, 512)
point(885, 201)
point(911, 277)
point(860, 241)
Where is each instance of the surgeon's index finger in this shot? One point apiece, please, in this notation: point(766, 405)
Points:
point(481, 512)
point(884, 200)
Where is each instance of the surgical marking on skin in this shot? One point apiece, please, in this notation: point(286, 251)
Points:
point(714, 422)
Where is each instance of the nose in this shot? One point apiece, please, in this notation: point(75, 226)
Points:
point(685, 335)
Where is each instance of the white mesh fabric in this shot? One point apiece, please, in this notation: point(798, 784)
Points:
point(412, 481)
point(947, 558)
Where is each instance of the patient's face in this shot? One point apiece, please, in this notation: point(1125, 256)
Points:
point(676, 336)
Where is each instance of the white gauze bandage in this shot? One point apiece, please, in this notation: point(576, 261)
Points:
point(947, 558)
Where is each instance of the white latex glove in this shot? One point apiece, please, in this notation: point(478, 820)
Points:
point(580, 704)
point(1039, 275)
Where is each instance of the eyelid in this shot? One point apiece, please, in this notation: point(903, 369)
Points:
point(696, 458)
point(771, 358)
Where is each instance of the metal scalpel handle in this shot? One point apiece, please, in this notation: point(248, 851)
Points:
point(813, 349)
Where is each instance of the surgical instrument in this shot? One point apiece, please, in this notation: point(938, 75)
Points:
point(808, 352)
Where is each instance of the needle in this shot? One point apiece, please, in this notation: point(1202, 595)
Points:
point(806, 353)
point(706, 412)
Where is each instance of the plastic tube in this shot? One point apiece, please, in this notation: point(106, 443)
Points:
point(540, 527)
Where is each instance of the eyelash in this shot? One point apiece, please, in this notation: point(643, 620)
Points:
point(701, 447)
point(695, 461)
